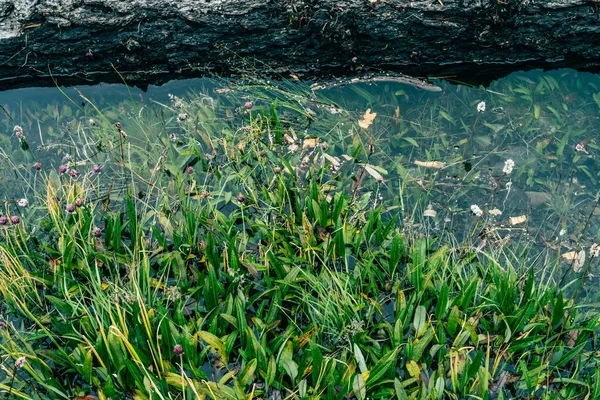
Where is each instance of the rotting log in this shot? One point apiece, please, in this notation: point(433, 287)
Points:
point(87, 41)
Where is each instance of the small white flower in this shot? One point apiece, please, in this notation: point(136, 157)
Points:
point(23, 202)
point(562, 232)
point(476, 210)
point(481, 107)
point(595, 250)
point(508, 166)
point(19, 362)
point(92, 122)
point(182, 117)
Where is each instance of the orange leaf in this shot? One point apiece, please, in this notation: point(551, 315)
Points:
point(367, 119)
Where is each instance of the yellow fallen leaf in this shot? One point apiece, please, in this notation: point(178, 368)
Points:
point(518, 220)
point(578, 259)
point(495, 211)
point(367, 120)
point(294, 77)
point(289, 139)
point(430, 164)
point(309, 143)
point(333, 160)
point(374, 173)
point(430, 212)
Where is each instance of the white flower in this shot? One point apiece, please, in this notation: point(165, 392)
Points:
point(562, 232)
point(481, 107)
point(19, 362)
point(23, 203)
point(476, 210)
point(595, 250)
point(92, 122)
point(508, 166)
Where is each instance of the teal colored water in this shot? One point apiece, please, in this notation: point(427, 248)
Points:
point(438, 158)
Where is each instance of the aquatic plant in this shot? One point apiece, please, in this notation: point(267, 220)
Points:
point(237, 256)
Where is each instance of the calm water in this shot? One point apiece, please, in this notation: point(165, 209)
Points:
point(437, 155)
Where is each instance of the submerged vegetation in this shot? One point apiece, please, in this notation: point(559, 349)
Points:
point(258, 240)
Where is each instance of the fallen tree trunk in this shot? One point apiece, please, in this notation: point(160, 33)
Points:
point(86, 41)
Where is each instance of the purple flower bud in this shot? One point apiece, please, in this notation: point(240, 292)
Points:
point(97, 231)
point(248, 105)
point(15, 220)
point(37, 166)
point(62, 169)
point(277, 170)
point(178, 350)
point(73, 173)
point(3, 220)
point(241, 198)
point(96, 169)
point(189, 170)
point(70, 208)
point(78, 203)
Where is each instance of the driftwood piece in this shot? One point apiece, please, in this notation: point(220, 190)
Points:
point(85, 41)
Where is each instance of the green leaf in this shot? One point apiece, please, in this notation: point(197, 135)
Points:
point(215, 343)
point(247, 375)
point(387, 363)
point(358, 385)
point(420, 319)
point(360, 359)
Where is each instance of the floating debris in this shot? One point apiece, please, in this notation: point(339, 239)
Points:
point(518, 220)
point(430, 164)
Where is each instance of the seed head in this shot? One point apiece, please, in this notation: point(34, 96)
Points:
point(19, 132)
point(20, 362)
point(595, 250)
point(118, 125)
point(178, 350)
point(241, 198)
point(277, 170)
point(189, 170)
point(181, 117)
point(173, 137)
point(324, 146)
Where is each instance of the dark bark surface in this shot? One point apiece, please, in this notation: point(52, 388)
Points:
point(80, 41)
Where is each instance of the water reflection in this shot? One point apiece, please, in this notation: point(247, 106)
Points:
point(431, 155)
